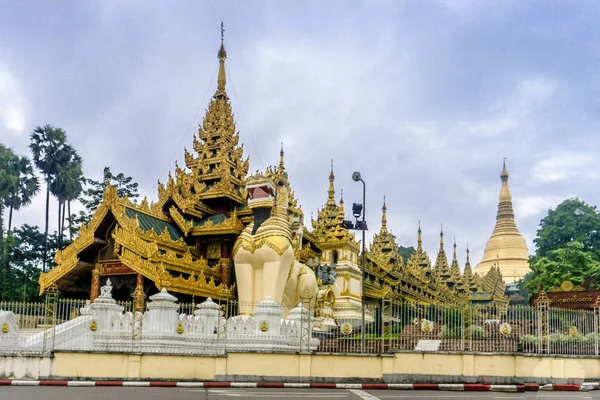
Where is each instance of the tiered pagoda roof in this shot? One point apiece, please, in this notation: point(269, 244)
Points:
point(328, 228)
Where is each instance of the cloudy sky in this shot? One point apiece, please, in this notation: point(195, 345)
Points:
point(423, 97)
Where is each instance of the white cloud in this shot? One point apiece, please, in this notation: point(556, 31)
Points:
point(528, 206)
point(516, 110)
point(12, 103)
point(565, 166)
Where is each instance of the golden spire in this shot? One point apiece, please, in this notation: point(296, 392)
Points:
point(504, 191)
point(505, 218)
point(281, 163)
point(441, 270)
point(331, 191)
point(217, 161)
point(384, 217)
point(468, 263)
point(419, 239)
point(222, 55)
point(455, 269)
point(506, 243)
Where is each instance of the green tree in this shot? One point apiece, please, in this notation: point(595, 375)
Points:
point(67, 184)
point(24, 186)
point(47, 144)
point(26, 261)
point(8, 179)
point(406, 252)
point(562, 226)
point(570, 263)
point(92, 194)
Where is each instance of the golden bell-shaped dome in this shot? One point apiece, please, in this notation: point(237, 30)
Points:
point(506, 248)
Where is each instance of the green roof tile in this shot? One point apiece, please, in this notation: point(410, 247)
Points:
point(216, 219)
point(148, 222)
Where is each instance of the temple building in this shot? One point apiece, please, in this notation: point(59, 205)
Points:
point(214, 230)
point(506, 250)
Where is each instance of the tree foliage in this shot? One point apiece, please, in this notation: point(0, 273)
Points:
point(25, 249)
point(94, 190)
point(567, 247)
point(570, 263)
point(47, 146)
point(562, 226)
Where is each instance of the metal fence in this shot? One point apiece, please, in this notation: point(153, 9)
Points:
point(67, 325)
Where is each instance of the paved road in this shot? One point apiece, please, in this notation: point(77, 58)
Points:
point(125, 393)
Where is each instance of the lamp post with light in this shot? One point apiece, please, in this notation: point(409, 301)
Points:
point(359, 210)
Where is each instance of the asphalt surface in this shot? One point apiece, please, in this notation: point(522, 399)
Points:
point(125, 393)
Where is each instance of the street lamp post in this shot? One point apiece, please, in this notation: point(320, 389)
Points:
point(356, 177)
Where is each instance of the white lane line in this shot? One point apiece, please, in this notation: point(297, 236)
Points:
point(277, 394)
point(363, 395)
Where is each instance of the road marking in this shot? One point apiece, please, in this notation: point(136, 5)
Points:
point(363, 395)
point(277, 394)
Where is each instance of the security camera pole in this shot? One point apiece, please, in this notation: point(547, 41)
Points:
point(356, 177)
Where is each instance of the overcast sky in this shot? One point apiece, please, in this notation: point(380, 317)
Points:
point(423, 97)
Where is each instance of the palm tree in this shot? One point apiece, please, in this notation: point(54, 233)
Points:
point(25, 186)
point(8, 160)
point(47, 143)
point(67, 184)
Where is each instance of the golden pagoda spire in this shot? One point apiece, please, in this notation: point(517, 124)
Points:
point(506, 242)
point(331, 191)
point(281, 161)
point(441, 269)
point(419, 239)
point(455, 269)
point(384, 217)
point(217, 162)
point(222, 55)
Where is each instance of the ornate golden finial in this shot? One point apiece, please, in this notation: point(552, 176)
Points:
point(281, 163)
point(331, 191)
point(419, 239)
point(442, 236)
point(384, 216)
point(504, 174)
point(468, 251)
point(341, 197)
point(222, 55)
point(454, 248)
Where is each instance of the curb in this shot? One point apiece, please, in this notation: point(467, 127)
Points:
point(467, 387)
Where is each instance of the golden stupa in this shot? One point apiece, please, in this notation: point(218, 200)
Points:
point(506, 248)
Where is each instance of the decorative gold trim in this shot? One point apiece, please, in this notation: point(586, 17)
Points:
point(93, 326)
point(5, 328)
point(184, 225)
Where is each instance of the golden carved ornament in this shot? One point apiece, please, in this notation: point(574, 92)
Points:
point(275, 241)
point(180, 328)
point(134, 242)
point(5, 328)
point(93, 326)
point(184, 225)
point(228, 225)
point(194, 284)
point(264, 326)
point(186, 263)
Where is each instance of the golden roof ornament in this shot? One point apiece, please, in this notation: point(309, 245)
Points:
point(331, 190)
point(384, 217)
point(455, 269)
